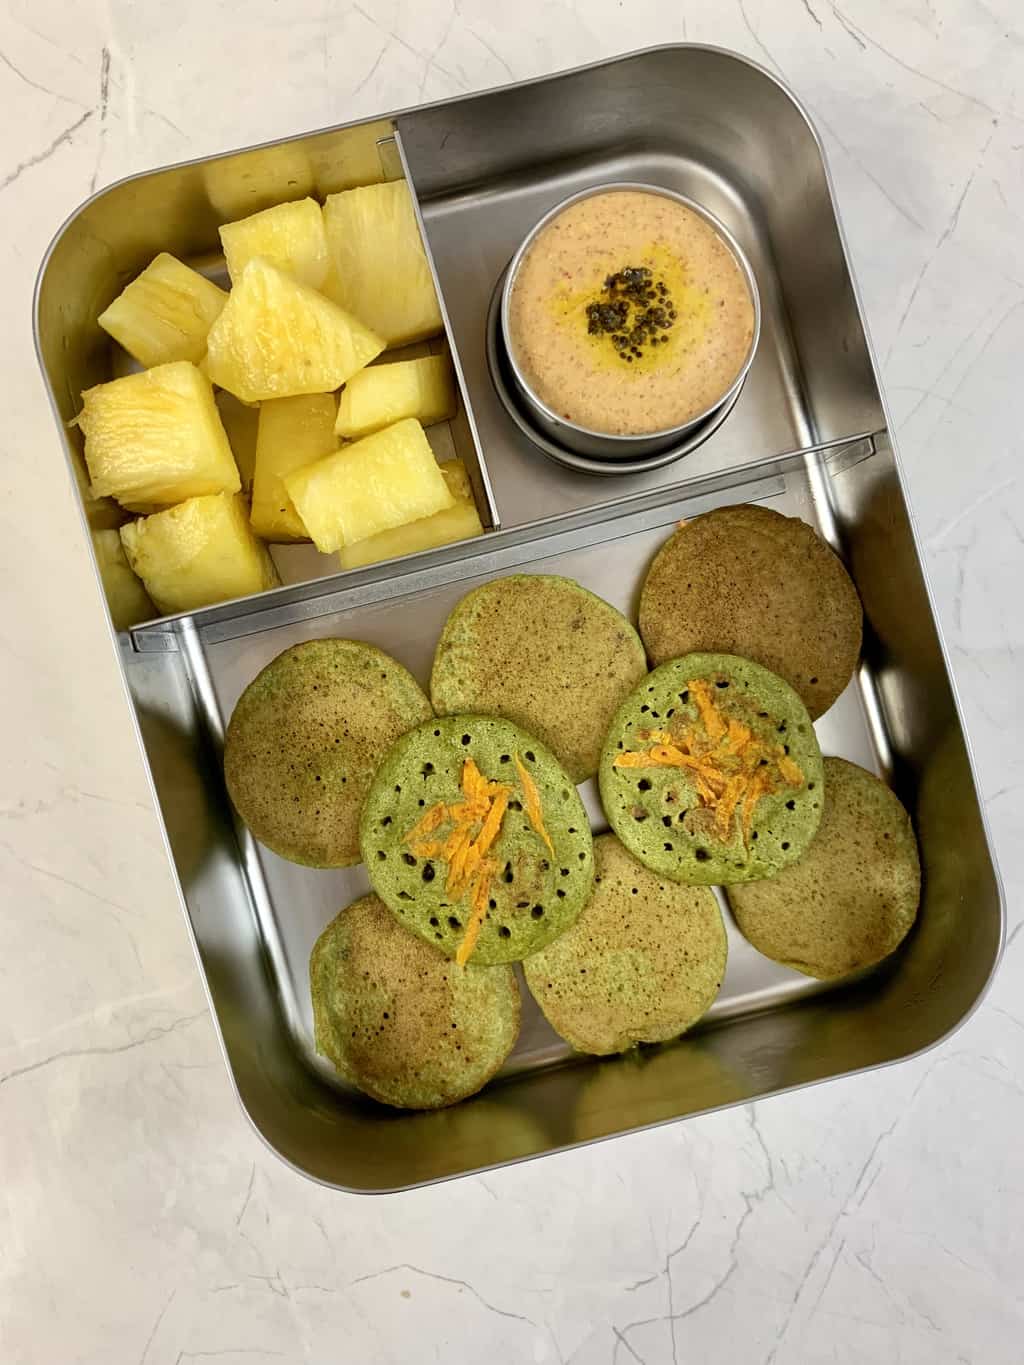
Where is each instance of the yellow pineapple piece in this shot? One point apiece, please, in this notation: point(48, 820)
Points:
point(240, 422)
point(382, 394)
point(290, 236)
point(165, 313)
point(458, 522)
point(382, 481)
point(201, 552)
point(156, 438)
point(379, 269)
point(249, 181)
point(127, 599)
point(277, 337)
point(292, 432)
point(203, 366)
point(101, 514)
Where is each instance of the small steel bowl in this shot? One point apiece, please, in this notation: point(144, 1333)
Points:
point(598, 444)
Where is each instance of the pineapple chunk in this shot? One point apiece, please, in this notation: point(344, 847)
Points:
point(240, 422)
point(127, 599)
point(165, 313)
point(200, 552)
point(292, 433)
point(382, 394)
point(249, 181)
point(459, 522)
point(277, 337)
point(379, 269)
point(374, 484)
point(155, 438)
point(101, 514)
point(203, 366)
point(290, 236)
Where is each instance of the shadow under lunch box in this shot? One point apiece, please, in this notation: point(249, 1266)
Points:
point(807, 436)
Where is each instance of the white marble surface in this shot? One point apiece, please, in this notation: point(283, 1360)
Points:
point(878, 1219)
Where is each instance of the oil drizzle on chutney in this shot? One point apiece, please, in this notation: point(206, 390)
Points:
point(634, 310)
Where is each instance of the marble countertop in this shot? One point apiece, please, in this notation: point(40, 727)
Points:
point(879, 1218)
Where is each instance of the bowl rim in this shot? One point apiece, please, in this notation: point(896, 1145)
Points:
point(498, 360)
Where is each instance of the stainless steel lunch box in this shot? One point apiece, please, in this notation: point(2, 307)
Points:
point(807, 435)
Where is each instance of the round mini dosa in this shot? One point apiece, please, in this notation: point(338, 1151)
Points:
point(304, 742)
point(399, 1020)
point(738, 795)
point(534, 891)
point(642, 963)
point(746, 580)
point(853, 896)
point(544, 653)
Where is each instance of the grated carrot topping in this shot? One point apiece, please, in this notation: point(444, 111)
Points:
point(475, 825)
point(451, 845)
point(673, 757)
point(639, 758)
point(428, 822)
point(714, 780)
point(711, 717)
point(429, 849)
point(458, 859)
point(759, 784)
point(789, 770)
point(478, 903)
point(739, 736)
point(464, 812)
point(472, 861)
point(531, 800)
point(473, 781)
point(658, 756)
point(725, 810)
point(730, 768)
point(492, 825)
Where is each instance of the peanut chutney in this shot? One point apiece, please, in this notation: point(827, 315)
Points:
point(630, 314)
